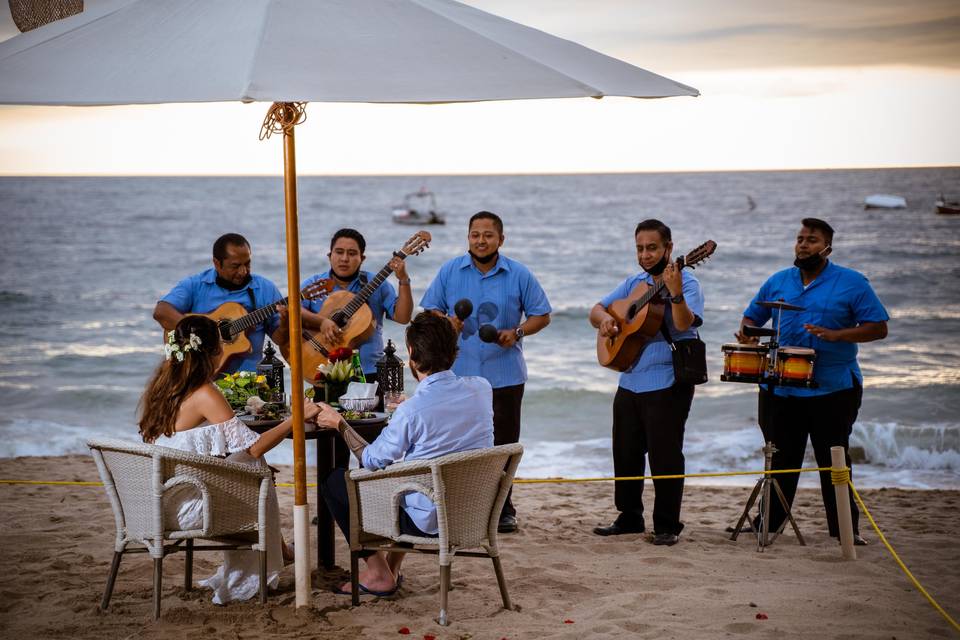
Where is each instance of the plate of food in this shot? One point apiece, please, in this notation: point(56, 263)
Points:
point(363, 417)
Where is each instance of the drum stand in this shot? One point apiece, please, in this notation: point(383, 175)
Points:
point(764, 484)
point(762, 489)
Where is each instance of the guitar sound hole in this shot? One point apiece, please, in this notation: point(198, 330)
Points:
point(632, 312)
point(224, 327)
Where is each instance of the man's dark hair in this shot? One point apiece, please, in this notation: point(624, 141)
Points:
point(353, 234)
point(655, 225)
point(487, 215)
point(220, 246)
point(821, 225)
point(432, 342)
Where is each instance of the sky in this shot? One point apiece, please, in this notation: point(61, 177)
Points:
point(785, 85)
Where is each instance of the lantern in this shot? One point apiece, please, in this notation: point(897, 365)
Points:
point(389, 372)
point(272, 369)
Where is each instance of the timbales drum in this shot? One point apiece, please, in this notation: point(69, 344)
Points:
point(744, 362)
point(795, 366)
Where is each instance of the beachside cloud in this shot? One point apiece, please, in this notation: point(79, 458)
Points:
point(737, 34)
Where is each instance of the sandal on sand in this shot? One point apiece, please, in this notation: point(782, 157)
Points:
point(370, 592)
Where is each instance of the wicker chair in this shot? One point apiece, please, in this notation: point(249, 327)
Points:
point(469, 489)
point(136, 476)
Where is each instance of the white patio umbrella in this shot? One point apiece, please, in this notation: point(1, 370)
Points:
point(289, 52)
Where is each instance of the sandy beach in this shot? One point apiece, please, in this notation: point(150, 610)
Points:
point(565, 581)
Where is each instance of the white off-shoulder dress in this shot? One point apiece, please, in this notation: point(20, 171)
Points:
point(239, 576)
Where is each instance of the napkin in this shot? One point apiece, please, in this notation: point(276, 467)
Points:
point(361, 390)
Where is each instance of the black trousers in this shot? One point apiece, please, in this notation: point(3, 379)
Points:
point(334, 490)
point(650, 424)
point(506, 427)
point(828, 421)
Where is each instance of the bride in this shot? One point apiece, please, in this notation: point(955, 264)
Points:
point(182, 408)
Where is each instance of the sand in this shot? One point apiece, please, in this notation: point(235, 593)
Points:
point(565, 581)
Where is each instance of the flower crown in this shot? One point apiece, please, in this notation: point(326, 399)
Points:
point(174, 350)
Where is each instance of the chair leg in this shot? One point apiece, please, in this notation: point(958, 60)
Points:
point(263, 577)
point(354, 578)
point(444, 591)
point(157, 586)
point(111, 579)
point(498, 569)
point(188, 567)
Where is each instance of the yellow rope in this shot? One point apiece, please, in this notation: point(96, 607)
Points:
point(840, 476)
point(667, 477)
point(903, 567)
point(527, 481)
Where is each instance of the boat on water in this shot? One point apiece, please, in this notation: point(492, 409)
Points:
point(947, 207)
point(419, 207)
point(884, 201)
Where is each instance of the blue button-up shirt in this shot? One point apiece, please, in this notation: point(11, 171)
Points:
point(446, 414)
point(200, 293)
point(383, 301)
point(653, 369)
point(838, 298)
point(500, 297)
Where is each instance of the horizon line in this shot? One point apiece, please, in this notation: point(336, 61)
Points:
point(471, 174)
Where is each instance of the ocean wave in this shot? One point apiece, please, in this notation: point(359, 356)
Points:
point(95, 350)
point(929, 447)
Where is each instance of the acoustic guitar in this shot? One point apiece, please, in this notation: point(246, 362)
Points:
point(233, 320)
point(639, 316)
point(351, 313)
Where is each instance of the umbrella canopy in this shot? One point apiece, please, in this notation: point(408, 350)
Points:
point(293, 51)
point(401, 51)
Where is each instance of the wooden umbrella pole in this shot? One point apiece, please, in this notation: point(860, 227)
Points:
point(284, 116)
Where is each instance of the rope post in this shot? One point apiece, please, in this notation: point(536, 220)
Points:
point(841, 477)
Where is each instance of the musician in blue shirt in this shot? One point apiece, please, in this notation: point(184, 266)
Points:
point(230, 280)
point(506, 295)
point(650, 408)
point(840, 309)
point(347, 253)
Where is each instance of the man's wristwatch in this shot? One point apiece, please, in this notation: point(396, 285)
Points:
point(519, 333)
point(677, 299)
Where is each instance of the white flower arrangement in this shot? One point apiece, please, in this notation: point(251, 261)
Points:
point(174, 350)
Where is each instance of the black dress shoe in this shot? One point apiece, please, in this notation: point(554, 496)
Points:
point(665, 539)
point(507, 524)
point(858, 540)
point(618, 529)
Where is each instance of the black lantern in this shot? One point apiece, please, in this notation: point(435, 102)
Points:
point(389, 372)
point(272, 369)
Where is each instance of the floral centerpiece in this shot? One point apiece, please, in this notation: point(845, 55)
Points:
point(335, 375)
point(239, 387)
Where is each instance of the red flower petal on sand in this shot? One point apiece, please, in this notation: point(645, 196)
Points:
point(761, 616)
point(429, 637)
point(568, 622)
point(404, 631)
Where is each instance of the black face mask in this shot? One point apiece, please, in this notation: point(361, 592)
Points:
point(658, 268)
point(811, 263)
point(230, 286)
point(485, 259)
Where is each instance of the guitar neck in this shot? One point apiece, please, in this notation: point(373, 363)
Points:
point(256, 316)
point(364, 294)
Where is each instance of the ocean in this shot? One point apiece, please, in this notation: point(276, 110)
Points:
point(84, 260)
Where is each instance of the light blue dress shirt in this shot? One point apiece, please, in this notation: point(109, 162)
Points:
point(838, 298)
point(653, 369)
point(446, 414)
point(383, 301)
point(501, 297)
point(200, 293)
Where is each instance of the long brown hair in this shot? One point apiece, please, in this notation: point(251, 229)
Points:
point(175, 379)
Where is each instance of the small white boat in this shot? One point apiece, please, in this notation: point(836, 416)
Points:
point(884, 201)
point(419, 207)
